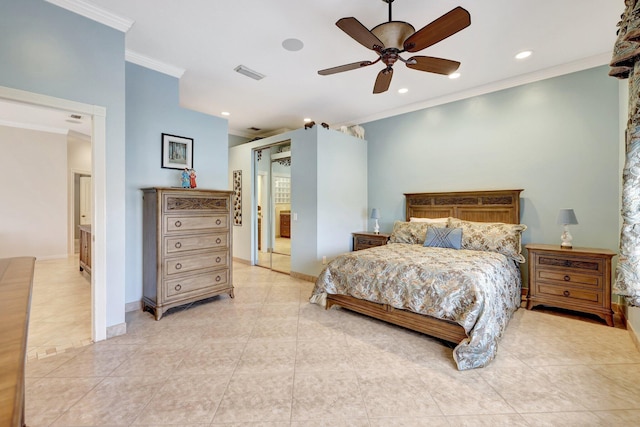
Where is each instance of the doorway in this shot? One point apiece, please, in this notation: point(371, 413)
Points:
point(272, 245)
point(98, 149)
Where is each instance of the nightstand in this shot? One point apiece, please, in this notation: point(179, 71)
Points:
point(368, 239)
point(575, 279)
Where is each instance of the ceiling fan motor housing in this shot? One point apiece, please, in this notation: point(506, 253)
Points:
point(393, 33)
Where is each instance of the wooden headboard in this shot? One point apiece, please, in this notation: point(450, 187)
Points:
point(481, 206)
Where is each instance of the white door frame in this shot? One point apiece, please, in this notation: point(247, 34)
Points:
point(98, 167)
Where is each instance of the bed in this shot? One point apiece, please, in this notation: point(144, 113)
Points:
point(464, 296)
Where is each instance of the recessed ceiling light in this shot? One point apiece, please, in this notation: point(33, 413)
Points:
point(292, 45)
point(454, 75)
point(307, 119)
point(524, 54)
point(225, 113)
point(403, 90)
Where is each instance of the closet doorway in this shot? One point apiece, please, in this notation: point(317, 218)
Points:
point(272, 245)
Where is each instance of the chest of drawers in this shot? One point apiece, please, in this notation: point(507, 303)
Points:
point(575, 279)
point(186, 247)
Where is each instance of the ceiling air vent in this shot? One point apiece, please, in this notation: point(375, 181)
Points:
point(253, 128)
point(248, 72)
point(75, 116)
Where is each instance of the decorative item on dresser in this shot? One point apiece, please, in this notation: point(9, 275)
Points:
point(85, 248)
point(368, 239)
point(186, 246)
point(574, 279)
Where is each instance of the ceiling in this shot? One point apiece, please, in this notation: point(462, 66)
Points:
point(202, 41)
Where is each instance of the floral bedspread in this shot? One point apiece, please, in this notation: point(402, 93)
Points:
point(478, 290)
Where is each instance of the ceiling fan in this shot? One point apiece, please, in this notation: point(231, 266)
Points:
point(392, 38)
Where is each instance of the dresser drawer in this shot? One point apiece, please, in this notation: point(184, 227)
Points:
point(174, 245)
point(174, 224)
point(567, 278)
point(575, 294)
point(584, 264)
point(175, 203)
point(187, 264)
point(210, 282)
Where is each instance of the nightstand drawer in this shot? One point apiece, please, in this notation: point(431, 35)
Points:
point(567, 278)
point(365, 240)
point(569, 293)
point(594, 265)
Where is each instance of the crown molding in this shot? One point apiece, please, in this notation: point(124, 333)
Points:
point(547, 73)
point(95, 13)
point(154, 64)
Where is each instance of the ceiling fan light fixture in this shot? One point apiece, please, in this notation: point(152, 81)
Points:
point(403, 90)
point(248, 72)
point(454, 76)
point(393, 33)
point(524, 54)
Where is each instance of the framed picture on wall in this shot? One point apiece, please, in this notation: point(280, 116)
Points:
point(177, 152)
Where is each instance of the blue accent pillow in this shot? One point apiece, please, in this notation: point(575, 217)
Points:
point(443, 237)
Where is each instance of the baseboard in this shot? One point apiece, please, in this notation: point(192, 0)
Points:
point(301, 276)
point(116, 330)
point(132, 306)
point(634, 335)
point(241, 261)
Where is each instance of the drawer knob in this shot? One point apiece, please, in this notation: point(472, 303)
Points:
point(218, 240)
point(218, 221)
point(178, 224)
point(218, 259)
point(178, 266)
point(566, 293)
point(178, 245)
point(218, 278)
point(567, 278)
point(178, 287)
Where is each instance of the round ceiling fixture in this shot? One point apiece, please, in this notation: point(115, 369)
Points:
point(225, 113)
point(292, 45)
point(454, 75)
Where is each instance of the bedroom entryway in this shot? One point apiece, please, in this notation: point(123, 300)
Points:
point(272, 243)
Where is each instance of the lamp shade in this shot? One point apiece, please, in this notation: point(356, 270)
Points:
point(567, 216)
point(375, 214)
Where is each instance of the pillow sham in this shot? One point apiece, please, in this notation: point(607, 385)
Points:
point(442, 222)
point(409, 232)
point(443, 238)
point(491, 236)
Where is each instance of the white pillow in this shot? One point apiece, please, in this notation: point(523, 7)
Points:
point(430, 221)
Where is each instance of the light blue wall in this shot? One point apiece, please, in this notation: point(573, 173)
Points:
point(50, 51)
point(557, 139)
point(152, 109)
point(328, 195)
point(342, 193)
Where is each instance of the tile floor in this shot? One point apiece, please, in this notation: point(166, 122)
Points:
point(269, 358)
point(60, 317)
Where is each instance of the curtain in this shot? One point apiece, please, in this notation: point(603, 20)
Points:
point(625, 64)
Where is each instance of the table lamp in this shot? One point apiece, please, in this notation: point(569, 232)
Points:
point(566, 217)
point(375, 214)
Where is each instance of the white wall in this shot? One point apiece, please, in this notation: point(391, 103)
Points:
point(33, 211)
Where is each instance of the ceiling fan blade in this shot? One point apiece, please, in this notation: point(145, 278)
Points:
point(345, 67)
point(383, 80)
point(438, 30)
point(433, 65)
point(360, 33)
